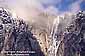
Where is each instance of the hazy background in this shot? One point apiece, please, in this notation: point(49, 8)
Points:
point(32, 8)
point(42, 12)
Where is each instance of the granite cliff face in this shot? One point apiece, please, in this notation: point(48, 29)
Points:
point(73, 43)
point(68, 39)
point(15, 36)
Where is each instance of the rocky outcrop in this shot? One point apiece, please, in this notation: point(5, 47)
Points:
point(15, 36)
point(73, 43)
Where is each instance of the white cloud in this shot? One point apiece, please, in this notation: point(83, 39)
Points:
point(50, 2)
point(29, 8)
point(52, 10)
point(24, 9)
point(75, 7)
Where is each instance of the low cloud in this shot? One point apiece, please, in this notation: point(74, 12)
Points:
point(30, 10)
point(75, 6)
